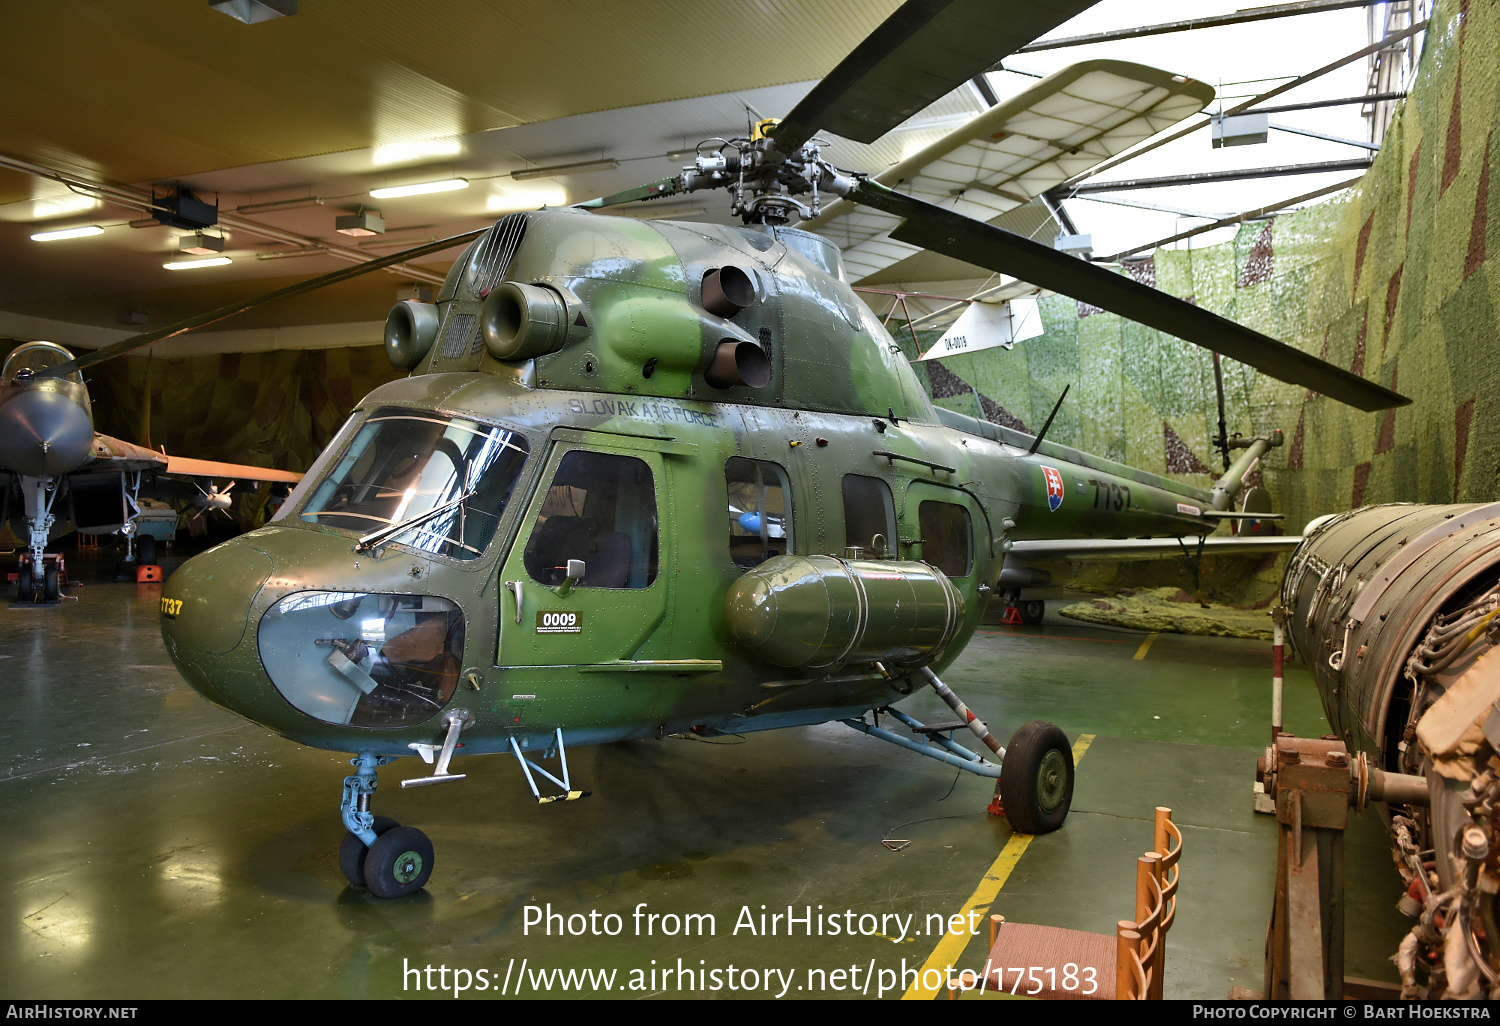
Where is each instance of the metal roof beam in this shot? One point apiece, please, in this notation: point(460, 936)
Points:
point(1214, 21)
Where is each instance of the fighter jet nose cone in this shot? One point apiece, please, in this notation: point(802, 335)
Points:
point(44, 434)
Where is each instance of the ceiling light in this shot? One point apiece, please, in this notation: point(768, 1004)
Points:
point(67, 233)
point(200, 244)
point(583, 167)
point(362, 223)
point(421, 188)
point(252, 11)
point(185, 265)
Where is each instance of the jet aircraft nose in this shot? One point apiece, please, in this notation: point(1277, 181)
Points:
point(44, 434)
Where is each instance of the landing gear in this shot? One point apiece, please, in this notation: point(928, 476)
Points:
point(377, 852)
point(353, 851)
point(398, 863)
point(1036, 778)
point(40, 587)
point(1022, 611)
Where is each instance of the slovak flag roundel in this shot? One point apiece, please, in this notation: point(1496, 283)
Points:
point(1054, 488)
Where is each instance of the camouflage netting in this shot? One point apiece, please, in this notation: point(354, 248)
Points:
point(269, 409)
point(1394, 280)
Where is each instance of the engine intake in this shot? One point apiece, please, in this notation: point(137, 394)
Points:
point(410, 330)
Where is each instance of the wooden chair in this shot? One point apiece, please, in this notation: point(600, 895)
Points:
point(1052, 962)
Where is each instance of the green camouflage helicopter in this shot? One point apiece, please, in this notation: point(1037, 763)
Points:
point(654, 477)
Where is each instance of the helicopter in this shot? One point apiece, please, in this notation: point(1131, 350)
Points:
point(654, 477)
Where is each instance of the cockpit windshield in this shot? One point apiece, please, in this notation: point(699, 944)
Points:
point(32, 359)
point(402, 464)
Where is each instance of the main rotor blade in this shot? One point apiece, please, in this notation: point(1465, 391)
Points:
point(654, 190)
point(995, 249)
point(135, 342)
point(923, 51)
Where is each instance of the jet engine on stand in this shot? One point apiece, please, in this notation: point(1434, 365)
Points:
point(1394, 608)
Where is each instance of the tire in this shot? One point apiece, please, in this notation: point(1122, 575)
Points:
point(398, 863)
point(145, 551)
point(1036, 778)
point(51, 590)
point(1033, 610)
point(25, 586)
point(353, 851)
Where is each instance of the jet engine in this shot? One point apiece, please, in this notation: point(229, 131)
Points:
point(1394, 608)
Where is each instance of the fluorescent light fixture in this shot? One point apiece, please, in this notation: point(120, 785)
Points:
point(186, 265)
point(421, 188)
point(252, 11)
point(68, 233)
point(555, 170)
point(362, 223)
point(199, 244)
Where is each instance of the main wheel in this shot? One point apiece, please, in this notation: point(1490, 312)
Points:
point(25, 586)
point(1036, 778)
point(398, 863)
point(145, 550)
point(50, 588)
point(1033, 610)
point(352, 852)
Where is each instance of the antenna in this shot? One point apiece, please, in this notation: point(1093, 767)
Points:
point(1043, 433)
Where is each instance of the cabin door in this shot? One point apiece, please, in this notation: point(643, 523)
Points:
point(599, 508)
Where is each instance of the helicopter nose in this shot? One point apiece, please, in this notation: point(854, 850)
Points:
point(44, 434)
point(205, 605)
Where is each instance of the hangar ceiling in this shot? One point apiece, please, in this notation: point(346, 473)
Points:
point(347, 96)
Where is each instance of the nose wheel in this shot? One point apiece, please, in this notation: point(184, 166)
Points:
point(353, 852)
point(377, 852)
point(398, 863)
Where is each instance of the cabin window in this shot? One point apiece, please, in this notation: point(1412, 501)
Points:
point(759, 511)
point(601, 509)
point(435, 483)
point(869, 514)
point(947, 537)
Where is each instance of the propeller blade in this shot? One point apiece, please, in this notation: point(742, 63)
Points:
point(655, 190)
point(995, 249)
point(920, 53)
point(135, 342)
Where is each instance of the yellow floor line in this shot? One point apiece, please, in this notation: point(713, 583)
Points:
point(950, 947)
point(1140, 653)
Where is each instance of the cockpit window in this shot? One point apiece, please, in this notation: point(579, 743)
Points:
point(446, 478)
point(35, 357)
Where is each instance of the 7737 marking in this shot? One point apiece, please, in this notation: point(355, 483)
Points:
point(1108, 495)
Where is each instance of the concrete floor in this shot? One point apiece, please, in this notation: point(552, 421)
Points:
point(159, 847)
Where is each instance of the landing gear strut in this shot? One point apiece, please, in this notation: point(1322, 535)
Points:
point(1034, 775)
point(377, 852)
